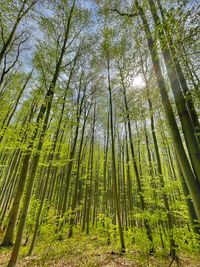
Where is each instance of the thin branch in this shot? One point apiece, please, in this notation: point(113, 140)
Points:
point(19, 50)
point(24, 12)
point(130, 15)
point(2, 31)
point(16, 38)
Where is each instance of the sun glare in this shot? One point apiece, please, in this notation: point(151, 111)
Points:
point(138, 82)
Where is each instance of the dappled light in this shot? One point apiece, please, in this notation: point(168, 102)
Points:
point(99, 133)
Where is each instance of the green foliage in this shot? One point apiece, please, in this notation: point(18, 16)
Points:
point(74, 188)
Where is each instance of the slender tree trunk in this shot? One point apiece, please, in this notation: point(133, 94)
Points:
point(91, 172)
point(138, 180)
point(8, 118)
point(45, 108)
point(162, 182)
point(73, 148)
point(180, 74)
point(123, 248)
point(75, 197)
point(185, 118)
point(190, 179)
point(22, 12)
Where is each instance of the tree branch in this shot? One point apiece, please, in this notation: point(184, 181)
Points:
point(130, 15)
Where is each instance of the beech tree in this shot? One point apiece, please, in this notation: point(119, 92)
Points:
point(99, 134)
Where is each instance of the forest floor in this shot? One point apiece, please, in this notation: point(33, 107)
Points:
point(84, 251)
